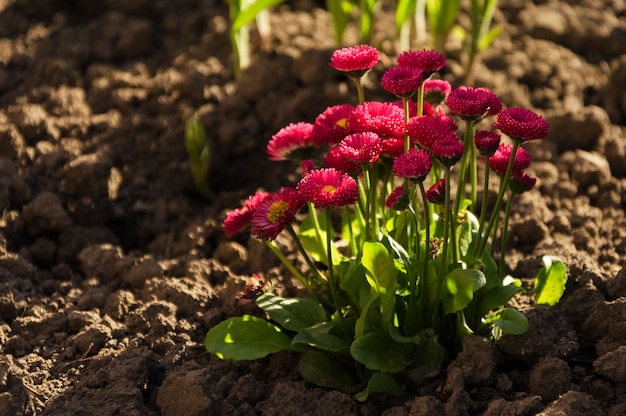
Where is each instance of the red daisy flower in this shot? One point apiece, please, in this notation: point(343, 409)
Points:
point(413, 165)
point(425, 130)
point(328, 188)
point(471, 103)
point(398, 199)
point(362, 148)
point(494, 102)
point(522, 124)
point(276, 212)
point(332, 124)
point(306, 166)
point(295, 142)
point(382, 118)
point(355, 61)
point(337, 158)
point(521, 183)
point(448, 150)
point(238, 219)
point(428, 61)
point(486, 142)
point(436, 194)
point(436, 91)
point(500, 159)
point(402, 81)
point(392, 148)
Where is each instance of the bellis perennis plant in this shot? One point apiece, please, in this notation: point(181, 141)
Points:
point(401, 252)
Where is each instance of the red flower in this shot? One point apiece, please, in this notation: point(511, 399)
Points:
point(328, 188)
point(238, 219)
point(486, 142)
point(413, 165)
point(384, 119)
point(472, 103)
point(362, 148)
point(276, 212)
point(402, 81)
point(436, 91)
point(332, 124)
point(425, 130)
point(355, 61)
point(522, 124)
point(295, 142)
point(436, 194)
point(398, 199)
point(500, 159)
point(521, 182)
point(336, 158)
point(448, 150)
point(427, 61)
point(392, 147)
point(306, 166)
point(255, 287)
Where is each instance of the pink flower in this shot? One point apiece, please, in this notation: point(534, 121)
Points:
point(276, 212)
point(392, 147)
point(238, 219)
point(328, 187)
point(255, 287)
point(337, 158)
point(521, 182)
point(472, 103)
point(486, 142)
point(500, 159)
point(436, 91)
point(294, 142)
point(427, 61)
point(355, 61)
point(425, 130)
point(384, 119)
point(436, 194)
point(522, 124)
point(448, 150)
point(398, 199)
point(402, 81)
point(332, 124)
point(306, 166)
point(413, 165)
point(362, 148)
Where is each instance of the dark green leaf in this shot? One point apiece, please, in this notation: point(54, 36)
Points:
point(461, 285)
point(508, 321)
point(320, 370)
point(377, 351)
point(320, 336)
point(293, 314)
point(381, 383)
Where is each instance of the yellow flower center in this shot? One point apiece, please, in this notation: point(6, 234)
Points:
point(277, 210)
point(342, 123)
point(330, 189)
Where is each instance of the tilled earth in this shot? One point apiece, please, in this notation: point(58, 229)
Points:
point(112, 268)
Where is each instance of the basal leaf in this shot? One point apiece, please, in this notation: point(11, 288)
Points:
point(320, 336)
point(381, 383)
point(245, 338)
point(377, 351)
point(550, 281)
point(461, 285)
point(320, 370)
point(293, 314)
point(508, 321)
point(381, 274)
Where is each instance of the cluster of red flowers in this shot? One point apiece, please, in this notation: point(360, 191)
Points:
point(352, 138)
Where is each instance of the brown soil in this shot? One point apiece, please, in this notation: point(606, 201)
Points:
point(112, 268)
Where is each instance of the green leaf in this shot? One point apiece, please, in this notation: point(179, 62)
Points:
point(353, 279)
point(320, 336)
point(377, 351)
point(550, 282)
point(508, 321)
point(245, 338)
point(317, 368)
point(381, 383)
point(381, 274)
point(249, 10)
point(404, 11)
point(461, 285)
point(293, 314)
point(497, 297)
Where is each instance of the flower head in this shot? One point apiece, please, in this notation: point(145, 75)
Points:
point(472, 103)
point(276, 212)
point(362, 148)
point(237, 220)
point(295, 142)
point(398, 199)
point(413, 165)
point(499, 162)
point(427, 61)
point(402, 81)
point(436, 91)
point(332, 124)
point(384, 119)
point(306, 166)
point(255, 287)
point(448, 150)
point(425, 130)
point(392, 147)
point(522, 124)
point(436, 194)
point(486, 142)
point(521, 182)
point(328, 187)
point(337, 158)
point(355, 61)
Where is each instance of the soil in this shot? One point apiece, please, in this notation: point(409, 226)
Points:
point(113, 268)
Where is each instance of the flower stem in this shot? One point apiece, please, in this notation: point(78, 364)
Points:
point(359, 90)
point(503, 236)
point(467, 159)
point(331, 275)
point(292, 269)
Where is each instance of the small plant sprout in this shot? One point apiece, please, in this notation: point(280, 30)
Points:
point(199, 156)
point(400, 257)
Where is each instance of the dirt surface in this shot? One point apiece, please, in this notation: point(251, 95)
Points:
point(112, 268)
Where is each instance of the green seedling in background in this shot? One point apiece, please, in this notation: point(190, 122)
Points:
point(199, 156)
point(242, 13)
point(481, 33)
point(341, 12)
point(442, 17)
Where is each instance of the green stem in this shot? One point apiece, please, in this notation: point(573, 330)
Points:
point(407, 140)
point(359, 90)
point(292, 269)
point(504, 233)
point(331, 275)
point(426, 227)
point(316, 224)
point(466, 159)
point(483, 208)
